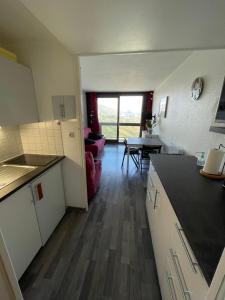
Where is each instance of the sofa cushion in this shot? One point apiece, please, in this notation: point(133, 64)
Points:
point(95, 148)
point(100, 143)
point(89, 142)
point(86, 132)
point(93, 173)
point(95, 136)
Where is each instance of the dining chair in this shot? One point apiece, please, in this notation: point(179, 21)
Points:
point(145, 155)
point(134, 154)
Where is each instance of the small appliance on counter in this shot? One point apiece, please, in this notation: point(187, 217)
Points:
point(214, 164)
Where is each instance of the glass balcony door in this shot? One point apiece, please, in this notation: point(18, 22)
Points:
point(130, 108)
point(108, 117)
point(120, 116)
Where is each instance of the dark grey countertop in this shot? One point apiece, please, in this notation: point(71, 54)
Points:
point(36, 160)
point(199, 204)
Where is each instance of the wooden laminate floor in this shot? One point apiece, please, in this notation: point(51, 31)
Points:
point(104, 254)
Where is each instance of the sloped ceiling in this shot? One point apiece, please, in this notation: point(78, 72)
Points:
point(134, 72)
point(107, 26)
point(18, 23)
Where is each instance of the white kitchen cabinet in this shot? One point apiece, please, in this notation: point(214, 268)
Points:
point(17, 95)
point(159, 214)
point(179, 274)
point(170, 285)
point(217, 288)
point(9, 287)
point(49, 200)
point(64, 107)
point(19, 226)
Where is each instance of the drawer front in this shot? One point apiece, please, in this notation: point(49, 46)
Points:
point(190, 268)
point(154, 182)
point(151, 188)
point(148, 207)
point(171, 288)
point(183, 290)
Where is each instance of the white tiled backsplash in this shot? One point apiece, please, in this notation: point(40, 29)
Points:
point(42, 138)
point(10, 142)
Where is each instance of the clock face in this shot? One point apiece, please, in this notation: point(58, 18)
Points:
point(197, 88)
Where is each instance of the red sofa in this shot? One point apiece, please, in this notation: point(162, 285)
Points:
point(95, 148)
point(93, 174)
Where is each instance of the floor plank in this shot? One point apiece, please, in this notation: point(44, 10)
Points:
point(105, 253)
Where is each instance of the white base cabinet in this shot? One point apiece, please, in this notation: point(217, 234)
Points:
point(29, 216)
point(179, 274)
point(19, 226)
point(49, 200)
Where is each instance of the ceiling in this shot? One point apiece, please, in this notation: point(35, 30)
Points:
point(128, 72)
point(17, 23)
point(107, 26)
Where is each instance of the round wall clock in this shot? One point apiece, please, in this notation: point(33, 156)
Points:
point(197, 88)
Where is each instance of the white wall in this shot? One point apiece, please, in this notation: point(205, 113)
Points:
point(187, 122)
point(73, 165)
point(10, 142)
point(42, 138)
point(84, 108)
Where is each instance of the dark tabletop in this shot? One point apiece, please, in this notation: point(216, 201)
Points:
point(42, 162)
point(199, 204)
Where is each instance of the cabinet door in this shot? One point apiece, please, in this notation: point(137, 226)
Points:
point(20, 230)
point(58, 107)
point(69, 104)
point(18, 101)
point(9, 287)
point(160, 217)
point(49, 200)
point(63, 107)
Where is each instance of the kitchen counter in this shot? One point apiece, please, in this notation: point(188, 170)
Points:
point(42, 162)
point(199, 204)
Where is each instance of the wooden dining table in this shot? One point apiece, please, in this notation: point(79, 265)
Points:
point(151, 142)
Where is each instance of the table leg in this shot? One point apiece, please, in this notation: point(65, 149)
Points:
point(128, 157)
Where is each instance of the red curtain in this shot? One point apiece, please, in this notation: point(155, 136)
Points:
point(149, 101)
point(146, 108)
point(92, 111)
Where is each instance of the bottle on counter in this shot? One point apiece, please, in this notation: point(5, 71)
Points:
point(200, 158)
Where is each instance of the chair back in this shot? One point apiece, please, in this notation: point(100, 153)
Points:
point(157, 149)
point(125, 142)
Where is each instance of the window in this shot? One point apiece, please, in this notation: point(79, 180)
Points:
point(108, 117)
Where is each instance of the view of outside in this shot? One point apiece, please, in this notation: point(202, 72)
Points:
point(130, 113)
point(107, 113)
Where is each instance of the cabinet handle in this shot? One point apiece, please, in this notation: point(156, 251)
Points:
point(180, 234)
point(152, 184)
point(155, 201)
point(180, 275)
point(171, 287)
point(39, 191)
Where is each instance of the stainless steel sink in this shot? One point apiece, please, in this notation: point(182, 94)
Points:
point(10, 173)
